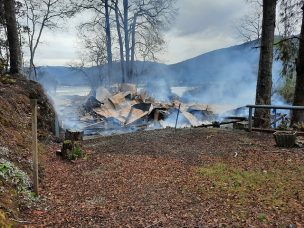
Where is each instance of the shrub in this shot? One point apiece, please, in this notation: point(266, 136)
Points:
point(286, 90)
point(10, 173)
point(75, 153)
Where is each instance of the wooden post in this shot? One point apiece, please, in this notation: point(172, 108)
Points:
point(250, 120)
point(57, 127)
point(275, 117)
point(35, 144)
point(156, 115)
point(179, 106)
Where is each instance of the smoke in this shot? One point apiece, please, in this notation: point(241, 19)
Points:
point(222, 77)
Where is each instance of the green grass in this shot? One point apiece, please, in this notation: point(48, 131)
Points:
point(277, 188)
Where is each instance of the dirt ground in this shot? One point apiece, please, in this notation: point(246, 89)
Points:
point(167, 179)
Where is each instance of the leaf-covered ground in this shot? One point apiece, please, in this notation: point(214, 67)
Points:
point(188, 178)
point(15, 141)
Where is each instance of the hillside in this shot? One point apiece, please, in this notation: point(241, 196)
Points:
point(239, 62)
point(15, 142)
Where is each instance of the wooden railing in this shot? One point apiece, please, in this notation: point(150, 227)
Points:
point(274, 107)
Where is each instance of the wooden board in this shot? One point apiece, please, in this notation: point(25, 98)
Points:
point(191, 118)
point(117, 100)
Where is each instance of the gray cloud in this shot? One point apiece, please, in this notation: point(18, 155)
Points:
point(200, 26)
point(210, 16)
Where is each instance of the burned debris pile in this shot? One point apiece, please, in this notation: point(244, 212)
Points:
point(127, 109)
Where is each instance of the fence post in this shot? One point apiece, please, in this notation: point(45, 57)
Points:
point(275, 117)
point(250, 119)
point(34, 144)
point(56, 126)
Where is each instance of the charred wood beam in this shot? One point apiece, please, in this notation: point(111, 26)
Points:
point(217, 124)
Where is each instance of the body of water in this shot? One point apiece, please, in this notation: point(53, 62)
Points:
point(85, 90)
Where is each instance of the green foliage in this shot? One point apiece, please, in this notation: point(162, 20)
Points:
point(12, 174)
point(17, 178)
point(286, 52)
point(234, 179)
point(287, 89)
point(75, 153)
point(288, 46)
point(7, 80)
point(284, 124)
point(262, 217)
point(67, 142)
point(282, 127)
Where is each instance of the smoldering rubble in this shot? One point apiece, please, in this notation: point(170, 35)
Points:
point(124, 108)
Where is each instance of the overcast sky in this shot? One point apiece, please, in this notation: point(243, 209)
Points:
point(200, 26)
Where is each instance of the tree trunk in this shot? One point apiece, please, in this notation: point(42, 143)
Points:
point(264, 82)
point(12, 36)
point(121, 48)
point(108, 40)
point(133, 46)
point(298, 116)
point(127, 44)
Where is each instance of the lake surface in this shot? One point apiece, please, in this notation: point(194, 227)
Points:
point(85, 90)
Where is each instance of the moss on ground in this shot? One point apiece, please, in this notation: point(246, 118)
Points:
point(279, 189)
point(4, 222)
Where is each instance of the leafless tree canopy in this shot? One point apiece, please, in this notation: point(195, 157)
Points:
point(40, 15)
point(132, 29)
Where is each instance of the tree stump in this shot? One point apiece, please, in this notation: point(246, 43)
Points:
point(73, 135)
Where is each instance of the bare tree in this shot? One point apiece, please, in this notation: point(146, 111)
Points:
point(41, 15)
point(93, 47)
point(264, 82)
point(250, 28)
point(12, 36)
point(142, 24)
point(127, 42)
point(120, 39)
point(108, 37)
point(138, 28)
point(102, 9)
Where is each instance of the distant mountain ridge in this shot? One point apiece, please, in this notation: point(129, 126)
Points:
point(211, 66)
point(225, 75)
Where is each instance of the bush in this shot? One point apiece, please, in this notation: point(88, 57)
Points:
point(9, 172)
point(75, 153)
point(287, 89)
point(71, 150)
